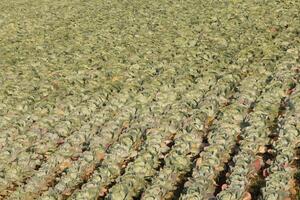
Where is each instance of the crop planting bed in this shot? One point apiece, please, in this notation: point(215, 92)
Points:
point(152, 100)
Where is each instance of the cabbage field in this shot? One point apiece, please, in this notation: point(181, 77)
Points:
point(151, 100)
